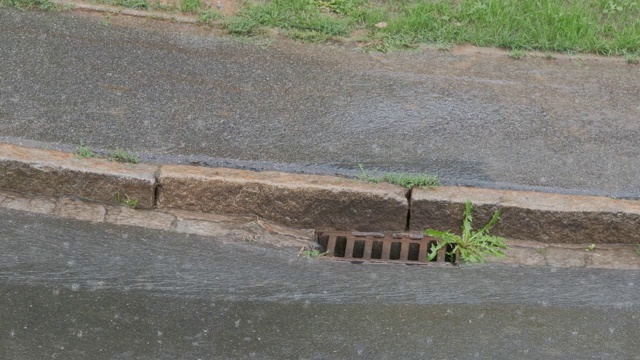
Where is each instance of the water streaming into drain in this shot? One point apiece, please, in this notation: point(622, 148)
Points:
point(391, 247)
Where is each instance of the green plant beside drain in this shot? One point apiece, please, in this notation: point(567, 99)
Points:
point(314, 254)
point(127, 201)
point(473, 245)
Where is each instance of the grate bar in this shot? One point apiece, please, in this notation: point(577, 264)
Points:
point(404, 250)
point(368, 247)
point(348, 253)
point(331, 244)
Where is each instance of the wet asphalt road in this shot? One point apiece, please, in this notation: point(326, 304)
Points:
point(77, 290)
point(177, 93)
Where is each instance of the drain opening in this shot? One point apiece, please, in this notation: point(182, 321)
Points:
point(341, 246)
point(382, 247)
point(376, 250)
point(358, 249)
point(449, 257)
point(414, 249)
point(395, 251)
point(323, 240)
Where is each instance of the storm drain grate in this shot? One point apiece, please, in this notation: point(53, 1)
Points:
point(396, 247)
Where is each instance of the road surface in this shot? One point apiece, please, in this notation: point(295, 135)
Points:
point(77, 290)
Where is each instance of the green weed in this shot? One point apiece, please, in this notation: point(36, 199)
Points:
point(122, 156)
point(638, 249)
point(517, 54)
point(156, 5)
point(208, 16)
point(410, 181)
point(303, 15)
point(631, 58)
point(240, 25)
point(407, 181)
point(189, 5)
point(105, 20)
point(84, 152)
point(30, 4)
point(314, 254)
point(364, 175)
point(591, 247)
point(127, 201)
point(473, 245)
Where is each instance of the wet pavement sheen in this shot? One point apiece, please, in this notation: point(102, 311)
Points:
point(77, 290)
point(178, 93)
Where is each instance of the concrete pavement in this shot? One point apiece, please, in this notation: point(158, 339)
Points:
point(75, 290)
point(179, 93)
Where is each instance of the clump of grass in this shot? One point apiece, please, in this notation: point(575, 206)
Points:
point(240, 25)
point(302, 15)
point(410, 181)
point(364, 175)
point(473, 245)
point(314, 254)
point(405, 180)
point(126, 201)
point(122, 156)
point(189, 5)
point(208, 16)
point(30, 4)
point(517, 54)
point(84, 152)
point(631, 58)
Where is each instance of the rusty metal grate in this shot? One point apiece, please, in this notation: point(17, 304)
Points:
point(381, 247)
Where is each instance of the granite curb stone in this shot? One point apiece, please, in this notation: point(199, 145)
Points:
point(530, 215)
point(303, 201)
point(57, 173)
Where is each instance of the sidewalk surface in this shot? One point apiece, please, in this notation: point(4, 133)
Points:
point(179, 93)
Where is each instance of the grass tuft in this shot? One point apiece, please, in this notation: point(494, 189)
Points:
point(30, 4)
point(631, 58)
point(122, 156)
point(126, 201)
point(408, 181)
point(517, 54)
point(207, 17)
point(85, 152)
point(189, 5)
point(314, 254)
point(240, 25)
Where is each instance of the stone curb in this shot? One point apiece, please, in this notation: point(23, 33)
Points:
point(528, 215)
point(326, 202)
point(56, 173)
point(306, 201)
